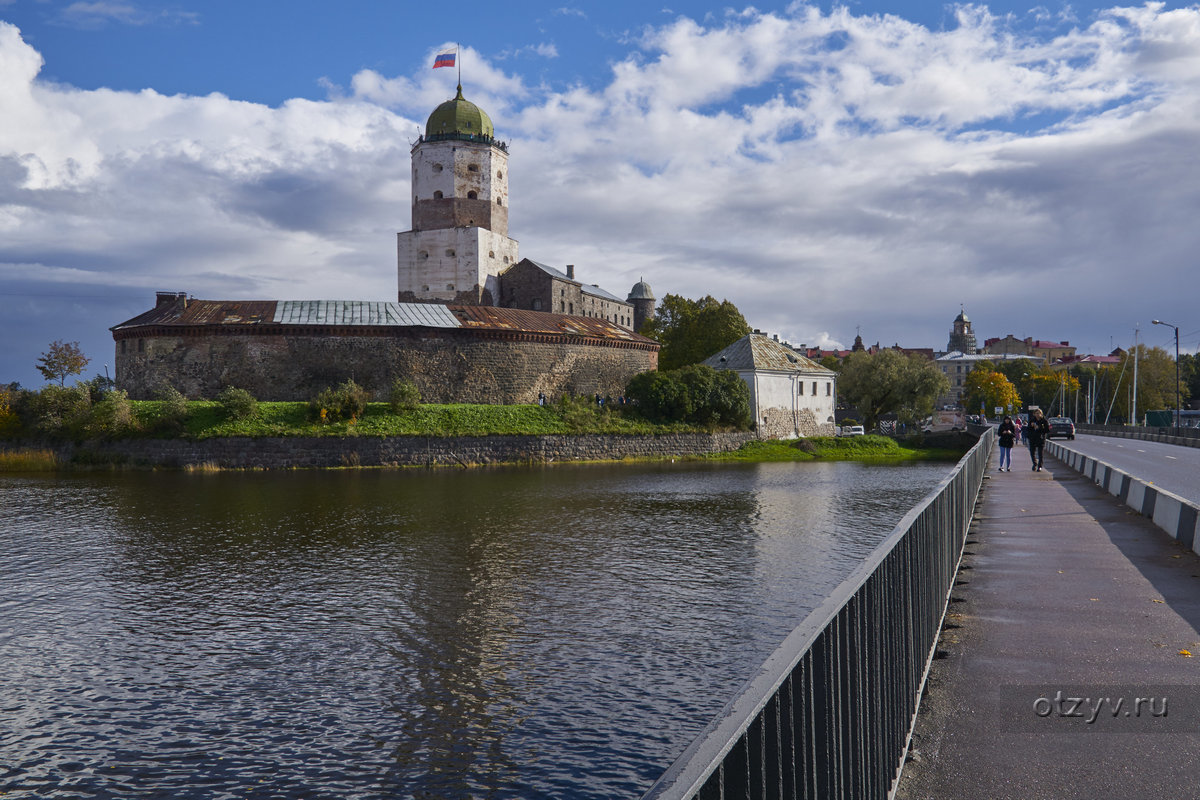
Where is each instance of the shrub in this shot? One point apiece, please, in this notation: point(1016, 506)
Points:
point(238, 403)
point(346, 401)
point(172, 410)
point(698, 394)
point(112, 416)
point(10, 423)
point(404, 396)
point(58, 411)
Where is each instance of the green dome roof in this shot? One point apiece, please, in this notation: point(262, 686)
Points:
point(459, 116)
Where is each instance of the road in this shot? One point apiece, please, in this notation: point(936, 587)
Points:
point(1168, 466)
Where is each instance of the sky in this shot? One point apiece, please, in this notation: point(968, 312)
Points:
point(873, 167)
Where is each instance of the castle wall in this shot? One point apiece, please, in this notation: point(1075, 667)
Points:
point(460, 366)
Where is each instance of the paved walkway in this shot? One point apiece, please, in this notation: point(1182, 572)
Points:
point(1064, 594)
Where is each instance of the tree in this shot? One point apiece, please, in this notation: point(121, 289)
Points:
point(692, 330)
point(61, 360)
point(890, 381)
point(988, 389)
point(696, 393)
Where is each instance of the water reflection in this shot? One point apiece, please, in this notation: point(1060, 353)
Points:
point(501, 633)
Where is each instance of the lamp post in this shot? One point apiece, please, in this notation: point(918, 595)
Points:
point(1176, 327)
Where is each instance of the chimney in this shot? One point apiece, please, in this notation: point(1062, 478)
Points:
point(571, 271)
point(168, 298)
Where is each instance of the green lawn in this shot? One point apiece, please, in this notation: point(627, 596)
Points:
point(829, 448)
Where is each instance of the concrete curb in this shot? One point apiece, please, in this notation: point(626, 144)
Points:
point(1178, 517)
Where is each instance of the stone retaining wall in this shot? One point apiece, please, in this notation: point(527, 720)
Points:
point(311, 452)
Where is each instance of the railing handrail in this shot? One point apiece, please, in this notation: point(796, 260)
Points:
point(696, 765)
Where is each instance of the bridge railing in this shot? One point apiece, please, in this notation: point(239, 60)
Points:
point(830, 712)
point(1189, 437)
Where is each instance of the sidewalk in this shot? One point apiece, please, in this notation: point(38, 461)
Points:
point(1064, 594)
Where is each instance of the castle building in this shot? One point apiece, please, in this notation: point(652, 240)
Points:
point(471, 322)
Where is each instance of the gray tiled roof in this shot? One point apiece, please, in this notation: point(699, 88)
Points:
point(757, 352)
point(363, 312)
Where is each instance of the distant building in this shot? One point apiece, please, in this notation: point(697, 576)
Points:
point(957, 366)
point(962, 337)
point(1048, 351)
point(790, 395)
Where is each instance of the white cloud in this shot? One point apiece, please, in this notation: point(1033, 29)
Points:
point(821, 170)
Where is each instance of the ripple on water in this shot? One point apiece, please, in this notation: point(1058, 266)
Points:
point(508, 633)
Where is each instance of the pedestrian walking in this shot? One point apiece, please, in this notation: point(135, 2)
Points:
point(1035, 433)
point(1007, 433)
point(1017, 424)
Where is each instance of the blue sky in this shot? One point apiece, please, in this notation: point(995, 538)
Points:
point(828, 168)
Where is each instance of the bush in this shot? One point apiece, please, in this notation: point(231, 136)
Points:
point(112, 417)
point(10, 423)
point(582, 414)
point(238, 403)
point(172, 410)
point(58, 411)
point(697, 394)
point(404, 396)
point(347, 401)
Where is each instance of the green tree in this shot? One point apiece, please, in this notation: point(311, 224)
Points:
point(692, 330)
point(890, 381)
point(61, 360)
point(696, 393)
point(987, 389)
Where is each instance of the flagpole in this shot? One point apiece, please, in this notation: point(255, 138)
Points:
point(458, 49)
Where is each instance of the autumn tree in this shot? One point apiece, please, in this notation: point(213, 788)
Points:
point(692, 330)
point(890, 381)
point(61, 360)
point(988, 389)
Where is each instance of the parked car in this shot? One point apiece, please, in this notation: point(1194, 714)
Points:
point(852, 430)
point(1061, 426)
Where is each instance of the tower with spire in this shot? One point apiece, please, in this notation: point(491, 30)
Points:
point(459, 242)
point(962, 337)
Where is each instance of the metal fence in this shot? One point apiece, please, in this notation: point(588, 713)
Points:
point(829, 714)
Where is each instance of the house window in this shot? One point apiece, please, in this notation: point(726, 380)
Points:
point(537, 304)
point(800, 388)
point(829, 389)
point(814, 388)
point(570, 308)
point(141, 345)
point(122, 346)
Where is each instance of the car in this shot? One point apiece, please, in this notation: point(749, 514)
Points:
point(1061, 426)
point(853, 430)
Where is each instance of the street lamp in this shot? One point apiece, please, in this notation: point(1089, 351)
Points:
point(1176, 327)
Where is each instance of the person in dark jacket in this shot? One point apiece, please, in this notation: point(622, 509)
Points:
point(1035, 433)
point(1007, 434)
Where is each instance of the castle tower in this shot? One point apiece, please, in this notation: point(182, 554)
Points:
point(642, 300)
point(962, 337)
point(459, 241)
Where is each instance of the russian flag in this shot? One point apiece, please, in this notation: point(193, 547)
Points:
point(445, 59)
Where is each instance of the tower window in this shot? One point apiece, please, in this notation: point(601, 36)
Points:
point(472, 168)
point(450, 252)
point(500, 176)
point(499, 202)
point(491, 253)
point(437, 167)
point(472, 195)
point(450, 287)
point(422, 254)
point(437, 195)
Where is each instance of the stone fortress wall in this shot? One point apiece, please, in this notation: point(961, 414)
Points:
point(450, 366)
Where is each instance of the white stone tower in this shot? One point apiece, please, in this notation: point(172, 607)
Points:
point(459, 241)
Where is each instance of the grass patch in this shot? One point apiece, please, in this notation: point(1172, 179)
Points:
point(207, 419)
point(830, 448)
point(28, 461)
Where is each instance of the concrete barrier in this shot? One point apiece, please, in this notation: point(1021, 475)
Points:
point(1172, 513)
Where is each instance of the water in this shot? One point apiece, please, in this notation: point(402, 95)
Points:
point(532, 633)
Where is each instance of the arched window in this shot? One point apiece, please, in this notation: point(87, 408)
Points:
point(491, 253)
point(499, 176)
point(499, 202)
point(472, 168)
point(450, 287)
point(422, 254)
point(437, 195)
point(472, 195)
point(450, 252)
point(437, 167)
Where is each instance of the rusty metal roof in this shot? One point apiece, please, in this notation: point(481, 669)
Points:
point(205, 312)
point(758, 352)
point(516, 319)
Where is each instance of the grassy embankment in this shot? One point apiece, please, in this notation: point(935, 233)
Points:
point(829, 448)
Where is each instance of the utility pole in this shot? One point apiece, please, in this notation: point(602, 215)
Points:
point(1133, 414)
point(1177, 406)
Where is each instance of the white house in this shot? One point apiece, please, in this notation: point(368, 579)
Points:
point(790, 394)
